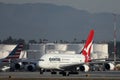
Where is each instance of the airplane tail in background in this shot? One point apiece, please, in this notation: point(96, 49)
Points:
point(87, 47)
point(14, 54)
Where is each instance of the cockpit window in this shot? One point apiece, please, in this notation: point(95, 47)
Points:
point(41, 59)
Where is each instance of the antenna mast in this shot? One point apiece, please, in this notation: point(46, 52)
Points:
point(114, 37)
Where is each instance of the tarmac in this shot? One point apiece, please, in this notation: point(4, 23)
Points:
point(96, 74)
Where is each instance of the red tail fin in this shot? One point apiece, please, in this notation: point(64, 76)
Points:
point(87, 47)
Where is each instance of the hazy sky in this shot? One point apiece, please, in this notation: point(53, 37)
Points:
point(90, 5)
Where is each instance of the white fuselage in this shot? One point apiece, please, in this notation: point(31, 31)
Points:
point(58, 61)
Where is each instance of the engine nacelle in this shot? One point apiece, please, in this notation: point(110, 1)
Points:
point(30, 67)
point(109, 66)
point(84, 68)
point(18, 65)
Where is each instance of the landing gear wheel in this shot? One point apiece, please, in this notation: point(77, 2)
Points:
point(41, 71)
point(53, 72)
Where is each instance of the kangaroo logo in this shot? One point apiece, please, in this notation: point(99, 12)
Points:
point(87, 48)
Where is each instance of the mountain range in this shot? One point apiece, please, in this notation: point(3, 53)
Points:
point(54, 22)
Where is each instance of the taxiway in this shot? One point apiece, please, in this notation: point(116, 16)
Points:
point(98, 74)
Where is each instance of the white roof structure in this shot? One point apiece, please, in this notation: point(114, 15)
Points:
point(37, 50)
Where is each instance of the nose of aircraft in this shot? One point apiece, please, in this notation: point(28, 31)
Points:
point(38, 64)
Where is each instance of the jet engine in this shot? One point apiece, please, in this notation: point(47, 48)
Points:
point(84, 68)
point(109, 66)
point(30, 67)
point(18, 65)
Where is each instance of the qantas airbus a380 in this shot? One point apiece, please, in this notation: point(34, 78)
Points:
point(68, 62)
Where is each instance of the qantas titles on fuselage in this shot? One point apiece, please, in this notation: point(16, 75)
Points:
point(54, 59)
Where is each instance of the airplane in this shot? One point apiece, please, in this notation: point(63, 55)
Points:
point(69, 62)
point(13, 55)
